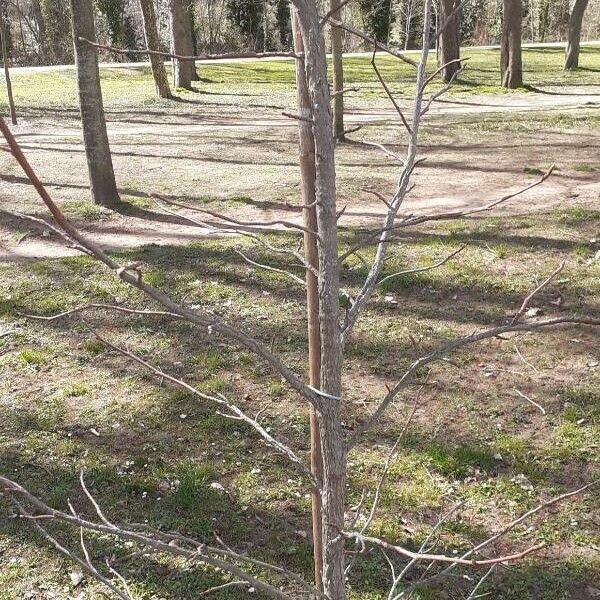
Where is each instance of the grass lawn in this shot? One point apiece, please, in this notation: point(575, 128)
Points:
point(275, 79)
point(152, 454)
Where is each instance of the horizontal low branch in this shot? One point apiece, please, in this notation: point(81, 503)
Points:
point(225, 56)
point(438, 557)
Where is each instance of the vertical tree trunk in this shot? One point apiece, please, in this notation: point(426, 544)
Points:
point(511, 65)
point(577, 9)
point(11, 102)
point(152, 43)
point(308, 175)
point(338, 74)
point(95, 138)
point(449, 44)
point(329, 408)
point(38, 17)
point(194, 41)
point(181, 43)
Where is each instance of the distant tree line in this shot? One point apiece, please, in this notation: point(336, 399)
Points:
point(39, 31)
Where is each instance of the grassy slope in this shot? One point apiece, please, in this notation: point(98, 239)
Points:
point(158, 450)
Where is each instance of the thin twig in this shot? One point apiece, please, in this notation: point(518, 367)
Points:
point(540, 408)
point(538, 289)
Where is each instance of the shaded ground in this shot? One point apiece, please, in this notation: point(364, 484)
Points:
point(152, 453)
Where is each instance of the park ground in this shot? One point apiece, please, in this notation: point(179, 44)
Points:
point(151, 453)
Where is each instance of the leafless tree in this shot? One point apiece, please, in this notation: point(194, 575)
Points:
point(324, 393)
point(152, 42)
point(576, 12)
point(511, 61)
point(102, 178)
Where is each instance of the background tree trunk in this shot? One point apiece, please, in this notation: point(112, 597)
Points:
point(193, 40)
point(449, 46)
point(152, 43)
point(311, 254)
point(38, 17)
point(511, 64)
point(576, 12)
point(181, 43)
point(4, 23)
point(338, 74)
point(95, 138)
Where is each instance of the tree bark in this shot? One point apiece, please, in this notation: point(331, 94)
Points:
point(577, 9)
point(329, 408)
point(511, 64)
point(181, 44)
point(11, 102)
point(152, 43)
point(449, 44)
point(95, 138)
point(338, 73)
point(308, 175)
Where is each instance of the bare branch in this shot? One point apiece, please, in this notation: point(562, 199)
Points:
point(442, 351)
point(506, 529)
point(225, 56)
point(439, 557)
point(332, 12)
point(538, 289)
point(224, 586)
point(247, 225)
point(372, 41)
point(473, 594)
point(201, 552)
point(272, 269)
point(389, 93)
point(115, 307)
point(85, 565)
point(539, 407)
point(384, 150)
point(423, 269)
point(370, 282)
point(233, 410)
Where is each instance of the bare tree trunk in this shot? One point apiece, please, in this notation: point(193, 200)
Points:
point(308, 175)
point(449, 43)
point(11, 102)
point(329, 409)
point(95, 138)
point(338, 73)
point(181, 43)
point(38, 17)
point(511, 64)
point(193, 41)
point(577, 9)
point(152, 43)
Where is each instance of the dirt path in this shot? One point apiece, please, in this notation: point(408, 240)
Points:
point(251, 154)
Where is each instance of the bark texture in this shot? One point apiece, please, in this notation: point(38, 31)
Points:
point(181, 43)
point(95, 138)
point(576, 12)
point(449, 43)
point(329, 408)
point(511, 65)
point(159, 72)
point(337, 48)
